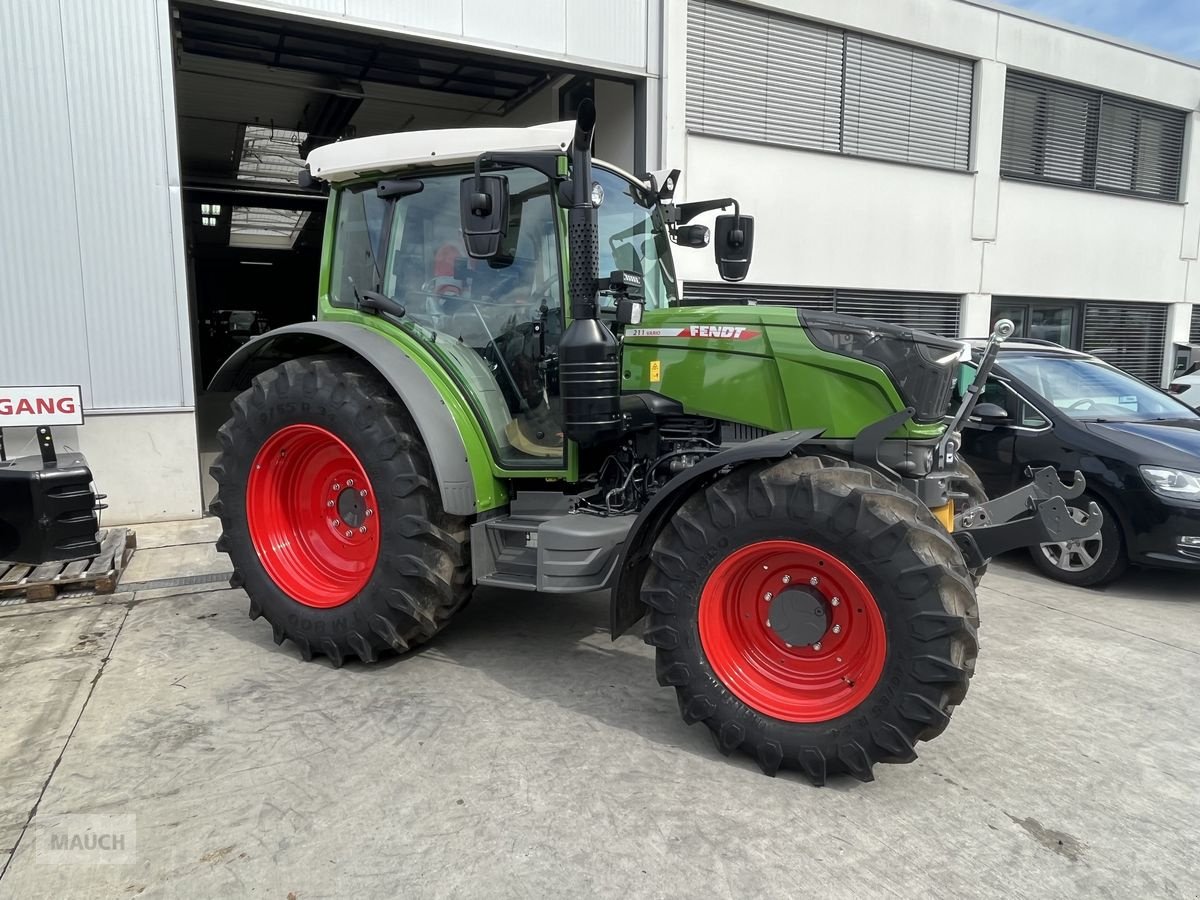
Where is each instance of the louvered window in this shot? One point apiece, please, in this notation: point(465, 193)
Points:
point(936, 313)
point(1130, 336)
point(1063, 134)
point(763, 76)
point(1195, 336)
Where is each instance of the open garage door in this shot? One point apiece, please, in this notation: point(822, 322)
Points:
point(255, 93)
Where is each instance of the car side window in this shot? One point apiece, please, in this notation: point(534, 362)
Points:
point(1019, 412)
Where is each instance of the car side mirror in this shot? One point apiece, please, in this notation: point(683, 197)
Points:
point(733, 244)
point(990, 413)
point(483, 205)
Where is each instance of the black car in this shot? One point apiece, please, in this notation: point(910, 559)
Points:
point(1137, 446)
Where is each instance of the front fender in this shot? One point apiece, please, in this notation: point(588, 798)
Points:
point(626, 605)
point(465, 489)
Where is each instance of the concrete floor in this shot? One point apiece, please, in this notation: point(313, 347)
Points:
point(525, 755)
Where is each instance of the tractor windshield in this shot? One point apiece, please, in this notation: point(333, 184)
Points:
point(633, 238)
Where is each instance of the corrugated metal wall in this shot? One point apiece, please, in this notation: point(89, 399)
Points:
point(89, 241)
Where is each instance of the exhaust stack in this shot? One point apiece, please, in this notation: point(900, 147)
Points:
point(589, 364)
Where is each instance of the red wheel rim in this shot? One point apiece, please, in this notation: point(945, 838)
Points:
point(312, 516)
point(812, 682)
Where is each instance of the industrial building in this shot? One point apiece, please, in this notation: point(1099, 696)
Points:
point(937, 163)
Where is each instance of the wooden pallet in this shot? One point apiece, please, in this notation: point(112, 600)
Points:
point(98, 573)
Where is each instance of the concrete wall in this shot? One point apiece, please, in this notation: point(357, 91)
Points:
point(829, 220)
point(146, 463)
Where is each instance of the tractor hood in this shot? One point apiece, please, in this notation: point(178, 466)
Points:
point(777, 367)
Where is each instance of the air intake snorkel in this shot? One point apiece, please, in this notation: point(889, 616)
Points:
point(589, 367)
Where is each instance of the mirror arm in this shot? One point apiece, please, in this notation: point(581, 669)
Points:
point(682, 213)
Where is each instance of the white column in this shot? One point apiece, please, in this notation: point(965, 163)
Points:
point(975, 319)
point(1179, 328)
point(987, 128)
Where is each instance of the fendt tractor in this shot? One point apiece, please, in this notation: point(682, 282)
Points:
point(502, 388)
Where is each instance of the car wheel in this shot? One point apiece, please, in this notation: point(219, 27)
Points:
point(1087, 563)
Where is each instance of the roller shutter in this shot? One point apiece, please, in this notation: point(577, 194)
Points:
point(1131, 336)
point(1195, 338)
point(1065, 134)
point(763, 76)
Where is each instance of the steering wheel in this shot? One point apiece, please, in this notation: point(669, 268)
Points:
point(1079, 404)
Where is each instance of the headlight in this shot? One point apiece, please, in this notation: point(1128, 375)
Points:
point(1172, 482)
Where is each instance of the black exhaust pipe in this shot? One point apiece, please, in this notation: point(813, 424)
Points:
point(589, 365)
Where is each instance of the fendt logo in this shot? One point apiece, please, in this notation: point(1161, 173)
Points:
point(731, 332)
point(31, 406)
point(717, 332)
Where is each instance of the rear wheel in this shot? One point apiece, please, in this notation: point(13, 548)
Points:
point(331, 516)
point(812, 615)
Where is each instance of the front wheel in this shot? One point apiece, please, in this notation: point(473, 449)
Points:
point(331, 515)
point(1091, 562)
point(812, 615)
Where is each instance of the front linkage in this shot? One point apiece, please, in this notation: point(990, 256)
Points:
point(1034, 514)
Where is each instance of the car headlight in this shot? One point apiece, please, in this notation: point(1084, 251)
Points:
point(1172, 482)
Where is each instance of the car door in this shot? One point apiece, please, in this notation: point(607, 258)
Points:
point(999, 449)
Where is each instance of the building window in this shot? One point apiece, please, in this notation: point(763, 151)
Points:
point(767, 77)
point(1130, 336)
point(1064, 134)
point(932, 312)
point(1194, 337)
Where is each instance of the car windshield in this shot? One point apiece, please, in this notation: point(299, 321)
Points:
point(1090, 390)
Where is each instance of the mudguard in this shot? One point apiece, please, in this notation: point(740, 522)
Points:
point(626, 605)
point(438, 429)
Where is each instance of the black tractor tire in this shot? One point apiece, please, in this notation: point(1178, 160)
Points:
point(421, 575)
point(1111, 560)
point(889, 540)
point(966, 481)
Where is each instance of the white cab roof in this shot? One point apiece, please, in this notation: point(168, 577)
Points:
point(349, 159)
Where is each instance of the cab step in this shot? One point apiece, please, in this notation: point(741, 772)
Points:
point(540, 545)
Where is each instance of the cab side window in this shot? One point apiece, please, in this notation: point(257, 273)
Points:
point(1019, 412)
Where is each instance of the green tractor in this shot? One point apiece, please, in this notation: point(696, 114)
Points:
point(503, 388)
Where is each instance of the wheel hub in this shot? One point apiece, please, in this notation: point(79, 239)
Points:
point(798, 616)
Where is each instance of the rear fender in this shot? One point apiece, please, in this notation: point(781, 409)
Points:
point(465, 490)
point(626, 605)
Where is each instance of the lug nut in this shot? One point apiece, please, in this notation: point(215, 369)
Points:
point(369, 512)
point(329, 503)
point(336, 523)
point(787, 579)
point(349, 533)
point(817, 645)
point(768, 596)
point(336, 486)
point(835, 602)
point(349, 482)
point(814, 581)
point(837, 629)
point(362, 529)
point(362, 493)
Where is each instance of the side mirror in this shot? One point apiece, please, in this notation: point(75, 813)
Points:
point(990, 413)
point(692, 235)
point(483, 204)
point(733, 245)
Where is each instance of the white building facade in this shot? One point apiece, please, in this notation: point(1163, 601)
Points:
point(933, 162)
